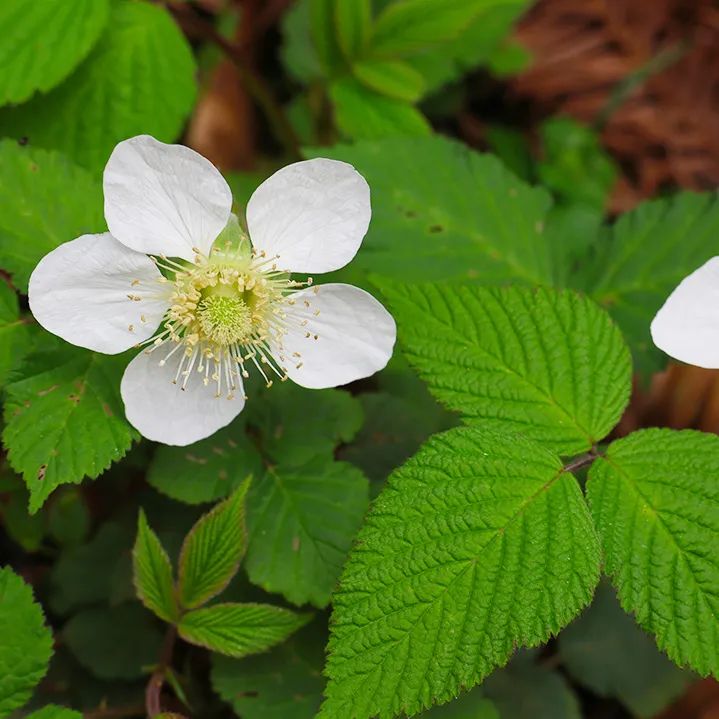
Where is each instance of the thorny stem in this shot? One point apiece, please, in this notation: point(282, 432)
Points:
point(157, 680)
point(253, 82)
point(582, 461)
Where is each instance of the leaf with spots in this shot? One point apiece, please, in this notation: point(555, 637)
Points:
point(26, 644)
point(67, 422)
point(549, 364)
point(479, 543)
point(655, 501)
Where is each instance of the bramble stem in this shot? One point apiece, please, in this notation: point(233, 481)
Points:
point(157, 680)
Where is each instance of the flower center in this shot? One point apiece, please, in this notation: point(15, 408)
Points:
point(224, 320)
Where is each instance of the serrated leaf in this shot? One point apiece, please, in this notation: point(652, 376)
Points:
point(648, 252)
point(361, 114)
point(212, 551)
point(67, 422)
point(527, 691)
point(472, 705)
point(353, 23)
point(548, 364)
point(607, 652)
point(115, 642)
point(301, 523)
point(44, 42)
point(458, 215)
point(390, 77)
point(407, 26)
point(207, 470)
point(54, 712)
point(45, 200)
point(14, 337)
point(237, 630)
point(152, 573)
point(26, 645)
point(655, 501)
point(480, 543)
point(286, 682)
point(142, 55)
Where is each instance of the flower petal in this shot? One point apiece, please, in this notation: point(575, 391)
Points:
point(162, 411)
point(313, 214)
point(82, 291)
point(687, 326)
point(354, 336)
point(164, 199)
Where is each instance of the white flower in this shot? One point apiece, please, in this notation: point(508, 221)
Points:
point(176, 275)
point(687, 326)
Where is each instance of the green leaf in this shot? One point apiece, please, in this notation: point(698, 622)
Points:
point(208, 470)
point(114, 643)
point(54, 712)
point(290, 435)
point(407, 26)
point(67, 422)
point(44, 42)
point(68, 518)
point(212, 551)
point(14, 336)
point(324, 38)
point(299, 55)
point(152, 573)
point(237, 630)
point(606, 651)
point(301, 523)
point(457, 215)
point(26, 645)
point(655, 502)
point(649, 251)
point(390, 77)
point(472, 705)
point(548, 364)
point(286, 682)
point(361, 114)
point(142, 55)
point(480, 543)
point(575, 165)
point(353, 20)
point(45, 200)
point(527, 691)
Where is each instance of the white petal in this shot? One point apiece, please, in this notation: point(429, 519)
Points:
point(313, 214)
point(162, 411)
point(355, 336)
point(687, 326)
point(164, 199)
point(79, 291)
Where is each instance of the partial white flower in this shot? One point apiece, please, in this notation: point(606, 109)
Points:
point(207, 303)
point(687, 326)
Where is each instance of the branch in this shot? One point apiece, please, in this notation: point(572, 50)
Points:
point(157, 680)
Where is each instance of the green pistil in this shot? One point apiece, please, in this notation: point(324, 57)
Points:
point(225, 320)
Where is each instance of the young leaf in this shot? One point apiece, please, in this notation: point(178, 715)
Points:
point(54, 712)
point(607, 652)
point(142, 55)
point(45, 200)
point(286, 682)
point(26, 644)
point(67, 422)
point(407, 26)
point(44, 42)
point(655, 502)
point(212, 551)
point(548, 364)
point(301, 523)
point(479, 543)
point(208, 470)
point(152, 573)
point(649, 251)
point(353, 20)
point(237, 630)
point(390, 77)
point(14, 336)
point(362, 114)
point(458, 215)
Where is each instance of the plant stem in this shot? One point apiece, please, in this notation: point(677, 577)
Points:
point(582, 461)
point(157, 680)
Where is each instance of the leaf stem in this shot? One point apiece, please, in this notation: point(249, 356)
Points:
point(582, 460)
point(157, 680)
